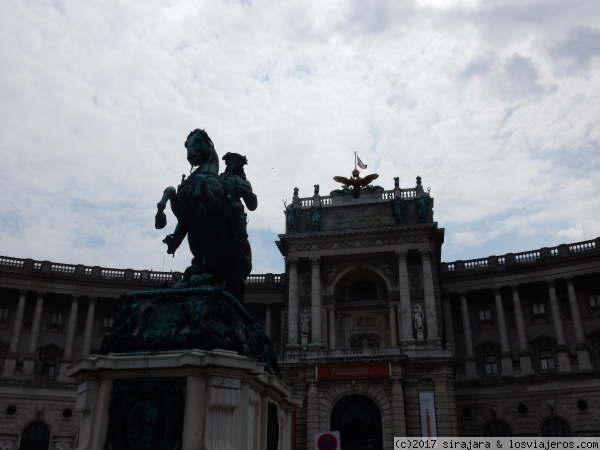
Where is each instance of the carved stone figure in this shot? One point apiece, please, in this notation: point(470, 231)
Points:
point(418, 318)
point(422, 204)
point(396, 182)
point(304, 324)
point(397, 206)
point(315, 218)
point(292, 217)
point(209, 211)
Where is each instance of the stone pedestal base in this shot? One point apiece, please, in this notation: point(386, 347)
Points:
point(189, 400)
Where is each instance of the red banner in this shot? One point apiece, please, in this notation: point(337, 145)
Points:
point(370, 370)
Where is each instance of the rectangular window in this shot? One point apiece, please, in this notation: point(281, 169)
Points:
point(595, 301)
point(547, 360)
point(538, 309)
point(48, 367)
point(56, 318)
point(490, 364)
point(108, 322)
point(4, 313)
point(485, 315)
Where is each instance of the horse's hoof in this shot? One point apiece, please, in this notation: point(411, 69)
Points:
point(160, 220)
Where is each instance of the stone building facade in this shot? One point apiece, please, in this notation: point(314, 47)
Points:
point(376, 334)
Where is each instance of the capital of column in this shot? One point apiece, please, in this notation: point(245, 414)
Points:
point(291, 262)
point(425, 253)
point(550, 281)
point(315, 261)
point(401, 254)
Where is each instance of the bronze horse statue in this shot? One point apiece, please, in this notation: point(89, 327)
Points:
point(209, 211)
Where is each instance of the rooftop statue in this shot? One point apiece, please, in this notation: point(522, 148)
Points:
point(356, 183)
point(210, 212)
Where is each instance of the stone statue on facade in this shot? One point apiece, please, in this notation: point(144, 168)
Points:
point(314, 215)
point(418, 318)
point(422, 205)
point(292, 217)
point(397, 206)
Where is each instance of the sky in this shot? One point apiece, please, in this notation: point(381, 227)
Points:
point(495, 104)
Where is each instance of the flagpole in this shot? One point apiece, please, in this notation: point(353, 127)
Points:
point(354, 160)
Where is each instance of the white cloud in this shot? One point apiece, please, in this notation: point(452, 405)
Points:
point(494, 104)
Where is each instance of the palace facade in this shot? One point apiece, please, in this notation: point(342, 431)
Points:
point(375, 333)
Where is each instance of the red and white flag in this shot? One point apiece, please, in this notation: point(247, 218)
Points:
point(361, 164)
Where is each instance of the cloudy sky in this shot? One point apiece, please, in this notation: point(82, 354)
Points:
point(495, 104)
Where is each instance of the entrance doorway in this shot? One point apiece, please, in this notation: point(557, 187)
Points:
point(358, 420)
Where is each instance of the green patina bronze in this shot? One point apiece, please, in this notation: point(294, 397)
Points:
point(204, 309)
point(210, 211)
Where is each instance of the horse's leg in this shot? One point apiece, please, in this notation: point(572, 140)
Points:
point(160, 220)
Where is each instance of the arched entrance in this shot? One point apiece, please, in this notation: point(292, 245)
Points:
point(358, 420)
point(36, 436)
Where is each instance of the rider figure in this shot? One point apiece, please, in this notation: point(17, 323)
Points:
point(237, 187)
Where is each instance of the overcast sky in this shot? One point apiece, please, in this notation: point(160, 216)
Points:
point(495, 104)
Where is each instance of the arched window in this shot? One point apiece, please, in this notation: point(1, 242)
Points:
point(556, 428)
point(497, 428)
point(36, 436)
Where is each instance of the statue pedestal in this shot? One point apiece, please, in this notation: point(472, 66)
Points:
point(189, 399)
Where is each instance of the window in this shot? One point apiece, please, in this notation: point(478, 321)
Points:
point(497, 429)
point(4, 313)
point(35, 437)
point(108, 322)
point(490, 364)
point(547, 360)
point(56, 318)
point(485, 315)
point(538, 309)
point(48, 371)
point(556, 428)
point(595, 301)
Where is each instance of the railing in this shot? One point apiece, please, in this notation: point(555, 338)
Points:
point(527, 257)
point(78, 270)
point(327, 200)
point(342, 353)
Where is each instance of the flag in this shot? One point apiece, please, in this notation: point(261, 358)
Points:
point(361, 164)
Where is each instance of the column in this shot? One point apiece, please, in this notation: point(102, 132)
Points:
point(393, 329)
point(430, 313)
point(505, 356)
point(404, 313)
point(67, 357)
point(89, 328)
point(316, 303)
point(398, 410)
point(470, 363)
point(562, 351)
point(583, 353)
point(313, 424)
point(293, 303)
point(331, 318)
point(29, 362)
point(268, 320)
point(524, 354)
point(13, 349)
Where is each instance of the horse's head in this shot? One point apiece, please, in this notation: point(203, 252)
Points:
point(201, 151)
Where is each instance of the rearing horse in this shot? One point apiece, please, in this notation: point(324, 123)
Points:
point(204, 213)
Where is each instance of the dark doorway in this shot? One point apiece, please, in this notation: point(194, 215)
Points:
point(358, 420)
point(36, 436)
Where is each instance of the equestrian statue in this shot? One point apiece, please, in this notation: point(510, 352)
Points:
point(210, 211)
